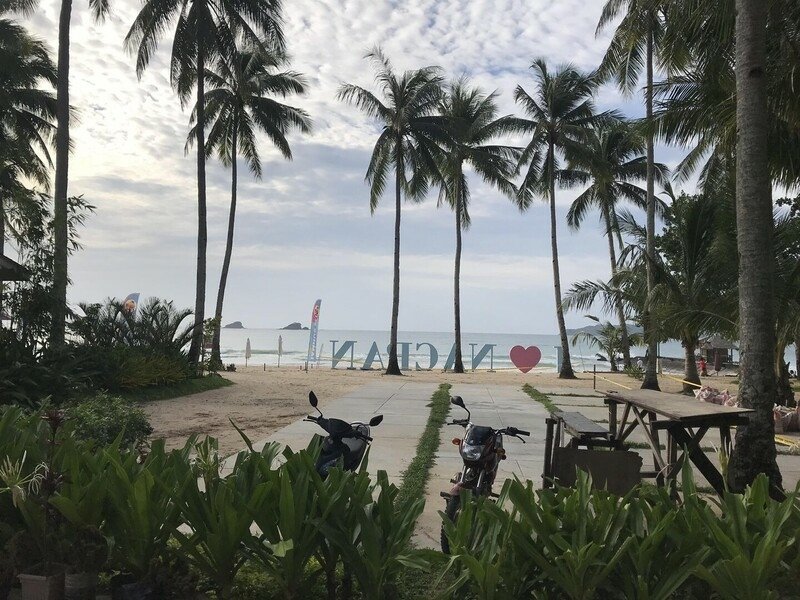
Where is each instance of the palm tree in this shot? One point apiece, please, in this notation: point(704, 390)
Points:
point(472, 126)
point(754, 451)
point(238, 105)
point(561, 112)
point(99, 9)
point(611, 160)
point(633, 47)
point(206, 30)
point(407, 144)
point(694, 291)
point(608, 339)
point(26, 116)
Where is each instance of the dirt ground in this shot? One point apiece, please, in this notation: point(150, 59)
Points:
point(261, 402)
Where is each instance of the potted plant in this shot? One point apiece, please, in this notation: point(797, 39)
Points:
point(42, 579)
point(81, 500)
point(6, 562)
point(88, 554)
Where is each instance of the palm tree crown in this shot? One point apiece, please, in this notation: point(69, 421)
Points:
point(410, 129)
point(610, 159)
point(240, 103)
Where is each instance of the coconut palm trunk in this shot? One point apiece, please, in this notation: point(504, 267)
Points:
point(458, 366)
point(797, 357)
point(2, 250)
point(690, 373)
point(393, 367)
point(566, 371)
point(754, 451)
point(623, 327)
point(650, 380)
point(216, 355)
point(61, 181)
point(195, 349)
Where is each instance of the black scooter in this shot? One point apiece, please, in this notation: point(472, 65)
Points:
point(345, 441)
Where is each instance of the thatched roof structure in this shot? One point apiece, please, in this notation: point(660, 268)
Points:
point(12, 271)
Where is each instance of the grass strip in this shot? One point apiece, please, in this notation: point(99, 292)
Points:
point(417, 473)
point(194, 385)
point(541, 398)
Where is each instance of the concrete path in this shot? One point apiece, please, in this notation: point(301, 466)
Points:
point(404, 406)
point(496, 406)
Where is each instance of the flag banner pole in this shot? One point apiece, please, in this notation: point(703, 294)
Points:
point(312, 334)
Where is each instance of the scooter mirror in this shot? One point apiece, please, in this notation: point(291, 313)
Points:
point(457, 401)
point(376, 420)
point(312, 399)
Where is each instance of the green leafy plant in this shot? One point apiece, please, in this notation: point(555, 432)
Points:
point(750, 542)
point(483, 554)
point(103, 418)
point(575, 536)
point(219, 519)
point(143, 513)
point(378, 548)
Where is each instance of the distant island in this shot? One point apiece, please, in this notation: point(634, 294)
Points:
point(234, 325)
point(294, 327)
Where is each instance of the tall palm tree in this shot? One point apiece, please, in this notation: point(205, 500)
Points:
point(239, 104)
point(26, 115)
point(473, 127)
point(407, 144)
point(206, 29)
point(99, 9)
point(754, 451)
point(560, 112)
point(611, 160)
point(633, 48)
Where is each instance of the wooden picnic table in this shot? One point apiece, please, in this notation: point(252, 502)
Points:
point(685, 420)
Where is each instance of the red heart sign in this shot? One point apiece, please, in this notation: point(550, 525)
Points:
point(525, 358)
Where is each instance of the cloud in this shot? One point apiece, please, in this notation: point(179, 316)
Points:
point(311, 215)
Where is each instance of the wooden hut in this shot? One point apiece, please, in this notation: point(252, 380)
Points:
point(717, 350)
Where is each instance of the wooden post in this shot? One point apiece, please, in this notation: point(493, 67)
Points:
point(548, 453)
point(594, 377)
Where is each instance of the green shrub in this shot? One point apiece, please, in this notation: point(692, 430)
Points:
point(634, 371)
point(29, 378)
point(102, 418)
point(125, 367)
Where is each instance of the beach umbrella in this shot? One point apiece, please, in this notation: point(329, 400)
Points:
point(247, 352)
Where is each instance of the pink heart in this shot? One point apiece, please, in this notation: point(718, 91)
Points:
point(525, 358)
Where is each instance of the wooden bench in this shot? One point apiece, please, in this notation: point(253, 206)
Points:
point(611, 468)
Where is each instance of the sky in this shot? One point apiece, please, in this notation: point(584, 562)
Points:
point(305, 231)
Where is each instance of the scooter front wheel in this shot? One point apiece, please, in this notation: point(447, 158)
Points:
point(451, 511)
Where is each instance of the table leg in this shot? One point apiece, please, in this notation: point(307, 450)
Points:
point(612, 419)
point(657, 463)
point(548, 453)
point(673, 466)
point(700, 460)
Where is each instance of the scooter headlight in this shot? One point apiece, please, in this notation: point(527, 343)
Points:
point(470, 452)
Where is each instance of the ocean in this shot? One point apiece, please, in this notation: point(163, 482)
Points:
point(423, 348)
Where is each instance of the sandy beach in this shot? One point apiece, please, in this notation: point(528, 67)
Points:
point(261, 402)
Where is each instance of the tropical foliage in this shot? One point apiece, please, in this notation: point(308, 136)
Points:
point(167, 519)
